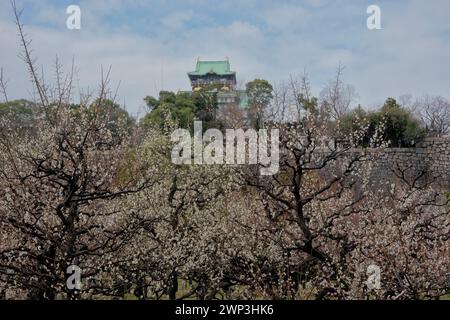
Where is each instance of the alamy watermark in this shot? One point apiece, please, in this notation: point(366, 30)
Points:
point(238, 147)
point(373, 277)
point(374, 20)
point(73, 22)
point(74, 279)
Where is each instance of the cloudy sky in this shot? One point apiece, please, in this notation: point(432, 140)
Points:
point(151, 44)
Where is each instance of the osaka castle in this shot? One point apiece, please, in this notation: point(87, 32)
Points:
point(218, 74)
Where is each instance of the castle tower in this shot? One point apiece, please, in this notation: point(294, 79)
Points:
point(213, 73)
point(219, 75)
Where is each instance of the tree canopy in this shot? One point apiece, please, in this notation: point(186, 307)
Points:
point(260, 95)
point(398, 125)
point(183, 107)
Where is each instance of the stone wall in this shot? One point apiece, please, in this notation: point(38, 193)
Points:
point(431, 156)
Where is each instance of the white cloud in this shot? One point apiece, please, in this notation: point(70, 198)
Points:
point(177, 20)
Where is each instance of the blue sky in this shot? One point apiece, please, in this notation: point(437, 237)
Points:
point(152, 44)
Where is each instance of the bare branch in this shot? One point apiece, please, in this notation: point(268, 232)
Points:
point(3, 86)
point(27, 55)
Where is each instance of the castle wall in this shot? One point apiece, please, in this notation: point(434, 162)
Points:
point(432, 156)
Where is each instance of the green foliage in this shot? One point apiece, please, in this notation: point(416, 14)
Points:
point(166, 97)
point(126, 171)
point(180, 106)
point(308, 104)
point(355, 121)
point(397, 124)
point(183, 108)
point(17, 107)
point(401, 128)
point(151, 102)
point(19, 113)
point(206, 106)
point(260, 94)
point(352, 121)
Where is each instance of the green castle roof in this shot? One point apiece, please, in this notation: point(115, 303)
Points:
point(217, 67)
